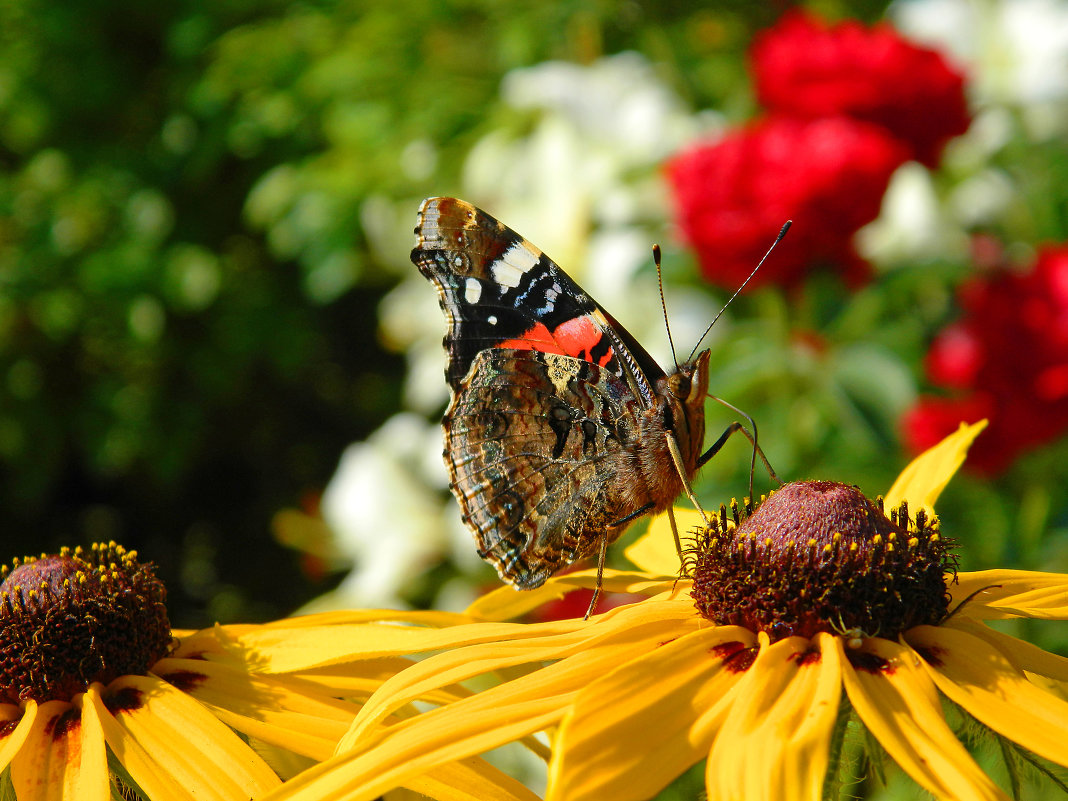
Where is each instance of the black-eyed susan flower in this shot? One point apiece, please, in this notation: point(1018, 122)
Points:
point(848, 614)
point(100, 699)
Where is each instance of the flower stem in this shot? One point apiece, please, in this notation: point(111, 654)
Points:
point(832, 783)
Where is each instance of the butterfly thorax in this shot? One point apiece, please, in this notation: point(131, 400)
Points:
point(649, 476)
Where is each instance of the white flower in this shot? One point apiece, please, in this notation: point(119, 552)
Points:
point(1015, 52)
point(912, 226)
point(617, 101)
point(384, 506)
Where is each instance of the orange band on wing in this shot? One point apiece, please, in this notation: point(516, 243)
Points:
point(578, 337)
point(538, 338)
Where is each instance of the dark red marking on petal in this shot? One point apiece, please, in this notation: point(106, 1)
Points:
point(63, 723)
point(743, 660)
point(810, 656)
point(124, 699)
point(184, 680)
point(868, 662)
point(737, 657)
point(725, 650)
point(931, 654)
point(662, 643)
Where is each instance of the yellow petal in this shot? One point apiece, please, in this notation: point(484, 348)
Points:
point(405, 752)
point(334, 682)
point(300, 720)
point(385, 757)
point(280, 650)
point(15, 726)
point(632, 732)
point(1024, 656)
point(470, 780)
point(324, 625)
point(775, 743)
point(636, 625)
point(63, 757)
point(349, 617)
point(896, 700)
point(996, 594)
point(507, 603)
point(923, 480)
point(981, 679)
point(429, 675)
point(654, 552)
point(173, 747)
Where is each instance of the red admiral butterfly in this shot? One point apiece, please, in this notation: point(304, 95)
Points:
point(561, 427)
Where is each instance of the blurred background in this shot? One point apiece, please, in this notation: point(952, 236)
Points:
point(214, 349)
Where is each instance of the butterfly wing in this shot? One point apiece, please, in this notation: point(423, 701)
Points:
point(532, 441)
point(546, 389)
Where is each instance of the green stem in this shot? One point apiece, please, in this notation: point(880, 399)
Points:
point(832, 783)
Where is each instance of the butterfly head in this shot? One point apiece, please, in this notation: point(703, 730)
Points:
point(683, 393)
point(689, 384)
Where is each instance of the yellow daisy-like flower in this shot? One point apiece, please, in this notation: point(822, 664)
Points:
point(99, 698)
point(846, 612)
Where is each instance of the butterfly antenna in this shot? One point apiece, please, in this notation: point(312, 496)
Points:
point(663, 304)
point(778, 239)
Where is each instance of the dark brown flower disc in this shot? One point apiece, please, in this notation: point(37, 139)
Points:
point(819, 556)
point(78, 617)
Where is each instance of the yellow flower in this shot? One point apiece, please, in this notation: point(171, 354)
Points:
point(99, 697)
point(635, 696)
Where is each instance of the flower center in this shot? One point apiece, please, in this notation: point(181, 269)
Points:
point(819, 556)
point(76, 618)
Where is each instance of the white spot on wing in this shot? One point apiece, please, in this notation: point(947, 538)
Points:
point(492, 319)
point(509, 269)
point(472, 290)
point(551, 294)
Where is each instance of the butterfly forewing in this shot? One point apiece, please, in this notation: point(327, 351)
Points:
point(498, 290)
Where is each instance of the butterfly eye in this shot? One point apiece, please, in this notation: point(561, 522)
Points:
point(679, 385)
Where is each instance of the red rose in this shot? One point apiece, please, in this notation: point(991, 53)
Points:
point(827, 175)
point(806, 68)
point(1007, 360)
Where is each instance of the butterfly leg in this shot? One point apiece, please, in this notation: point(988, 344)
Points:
point(600, 571)
point(678, 549)
point(733, 427)
point(675, 534)
point(610, 535)
point(676, 457)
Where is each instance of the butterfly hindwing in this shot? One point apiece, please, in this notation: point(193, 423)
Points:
point(531, 441)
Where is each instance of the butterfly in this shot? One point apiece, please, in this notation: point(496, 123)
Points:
point(561, 428)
